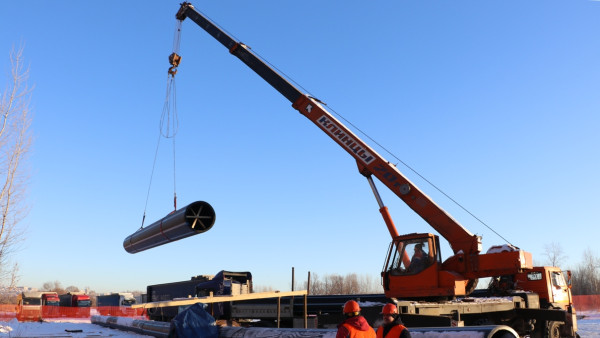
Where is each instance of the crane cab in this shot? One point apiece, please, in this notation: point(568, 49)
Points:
point(413, 269)
point(412, 254)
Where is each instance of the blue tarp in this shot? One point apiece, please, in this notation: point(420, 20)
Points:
point(194, 322)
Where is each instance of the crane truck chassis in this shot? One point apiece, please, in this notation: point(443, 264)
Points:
point(540, 311)
point(522, 311)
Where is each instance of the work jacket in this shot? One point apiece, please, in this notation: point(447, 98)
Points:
point(355, 327)
point(393, 330)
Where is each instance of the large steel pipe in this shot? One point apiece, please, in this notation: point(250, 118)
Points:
point(161, 329)
point(194, 219)
point(145, 327)
point(495, 331)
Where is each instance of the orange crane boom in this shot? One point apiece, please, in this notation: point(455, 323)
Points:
point(459, 273)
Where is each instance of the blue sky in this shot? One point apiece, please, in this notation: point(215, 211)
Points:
point(495, 102)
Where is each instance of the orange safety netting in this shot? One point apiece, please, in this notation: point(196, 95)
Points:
point(11, 311)
point(587, 303)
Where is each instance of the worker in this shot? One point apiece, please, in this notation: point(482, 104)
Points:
point(419, 260)
point(354, 325)
point(392, 325)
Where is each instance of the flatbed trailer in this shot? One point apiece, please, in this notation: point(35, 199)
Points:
point(522, 311)
point(519, 310)
point(323, 311)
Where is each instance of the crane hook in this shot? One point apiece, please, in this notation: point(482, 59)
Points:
point(174, 60)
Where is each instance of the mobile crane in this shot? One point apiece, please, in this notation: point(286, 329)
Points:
point(426, 277)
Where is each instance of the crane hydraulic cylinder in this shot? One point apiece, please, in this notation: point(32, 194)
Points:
point(193, 219)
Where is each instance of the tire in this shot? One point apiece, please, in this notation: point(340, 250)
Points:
point(553, 329)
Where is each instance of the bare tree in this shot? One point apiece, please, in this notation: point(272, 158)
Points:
point(351, 284)
point(72, 288)
point(93, 295)
point(260, 288)
point(55, 286)
point(334, 284)
point(15, 140)
point(368, 285)
point(316, 285)
point(48, 286)
point(586, 277)
point(554, 254)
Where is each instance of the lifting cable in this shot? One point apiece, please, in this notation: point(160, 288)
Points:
point(421, 176)
point(169, 123)
point(388, 151)
point(374, 141)
point(175, 59)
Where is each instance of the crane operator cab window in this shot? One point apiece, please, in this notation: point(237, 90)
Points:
point(558, 280)
point(410, 257)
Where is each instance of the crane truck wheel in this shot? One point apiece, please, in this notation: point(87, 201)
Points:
point(553, 330)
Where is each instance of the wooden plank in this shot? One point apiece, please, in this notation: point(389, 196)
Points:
point(218, 299)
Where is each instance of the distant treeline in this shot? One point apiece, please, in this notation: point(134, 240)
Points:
point(334, 284)
point(586, 276)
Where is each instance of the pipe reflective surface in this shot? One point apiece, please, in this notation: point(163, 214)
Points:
point(193, 219)
point(493, 331)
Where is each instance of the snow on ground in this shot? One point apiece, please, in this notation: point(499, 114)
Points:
point(60, 328)
point(589, 326)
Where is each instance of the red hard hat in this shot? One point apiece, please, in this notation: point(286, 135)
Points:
point(351, 306)
point(389, 309)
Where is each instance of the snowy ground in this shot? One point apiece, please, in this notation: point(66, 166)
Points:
point(70, 328)
point(589, 326)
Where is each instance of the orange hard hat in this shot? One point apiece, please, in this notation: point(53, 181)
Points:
point(389, 309)
point(351, 306)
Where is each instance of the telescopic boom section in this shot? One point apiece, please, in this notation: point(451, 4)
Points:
point(369, 161)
